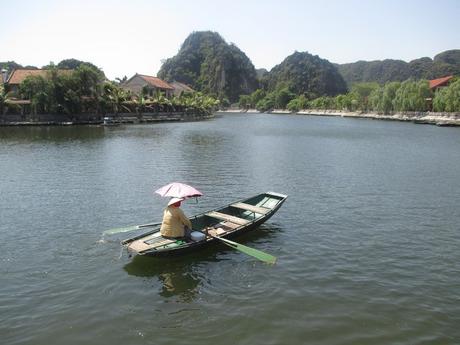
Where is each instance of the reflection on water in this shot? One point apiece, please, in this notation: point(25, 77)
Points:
point(52, 133)
point(176, 275)
point(179, 274)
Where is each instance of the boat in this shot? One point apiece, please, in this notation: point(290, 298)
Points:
point(224, 222)
point(109, 121)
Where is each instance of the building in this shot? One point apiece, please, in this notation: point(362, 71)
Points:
point(19, 75)
point(151, 85)
point(440, 82)
point(436, 84)
point(180, 88)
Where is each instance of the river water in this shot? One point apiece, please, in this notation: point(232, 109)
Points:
point(368, 243)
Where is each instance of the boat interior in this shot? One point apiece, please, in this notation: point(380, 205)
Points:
point(219, 222)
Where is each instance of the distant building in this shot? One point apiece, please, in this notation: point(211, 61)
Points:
point(19, 75)
point(138, 83)
point(180, 88)
point(436, 84)
point(440, 82)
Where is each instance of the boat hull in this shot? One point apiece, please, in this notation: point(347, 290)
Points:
point(250, 226)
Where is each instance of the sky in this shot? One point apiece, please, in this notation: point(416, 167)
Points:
point(135, 36)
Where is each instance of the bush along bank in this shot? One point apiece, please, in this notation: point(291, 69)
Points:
point(410, 100)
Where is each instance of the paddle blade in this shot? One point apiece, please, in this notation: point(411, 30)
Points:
point(258, 254)
point(119, 230)
point(128, 228)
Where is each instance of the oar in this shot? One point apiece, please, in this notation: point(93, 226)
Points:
point(128, 228)
point(258, 254)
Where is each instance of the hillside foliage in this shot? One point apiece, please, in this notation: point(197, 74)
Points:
point(303, 73)
point(209, 64)
point(443, 64)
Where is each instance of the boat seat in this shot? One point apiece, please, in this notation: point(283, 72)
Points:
point(141, 245)
point(227, 217)
point(252, 208)
point(229, 226)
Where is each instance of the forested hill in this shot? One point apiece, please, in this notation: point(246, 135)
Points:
point(307, 74)
point(443, 64)
point(209, 64)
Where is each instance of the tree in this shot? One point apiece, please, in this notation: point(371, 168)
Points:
point(114, 98)
point(5, 98)
point(37, 89)
point(256, 96)
point(448, 98)
point(411, 96)
point(389, 94)
point(9, 65)
point(363, 90)
point(282, 97)
point(298, 103)
point(267, 103)
point(245, 101)
point(323, 103)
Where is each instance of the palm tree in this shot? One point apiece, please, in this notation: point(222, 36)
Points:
point(162, 101)
point(116, 98)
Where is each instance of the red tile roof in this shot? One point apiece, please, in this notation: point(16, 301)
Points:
point(156, 82)
point(18, 75)
point(440, 82)
point(181, 87)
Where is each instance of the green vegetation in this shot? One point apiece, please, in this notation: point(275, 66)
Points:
point(220, 70)
point(212, 66)
point(64, 93)
point(303, 73)
point(299, 78)
point(407, 96)
point(410, 95)
point(10, 65)
point(445, 63)
point(299, 74)
point(375, 71)
point(448, 98)
point(4, 99)
point(85, 90)
point(74, 64)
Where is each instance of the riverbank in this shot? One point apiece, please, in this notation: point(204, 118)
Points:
point(90, 119)
point(439, 119)
point(432, 118)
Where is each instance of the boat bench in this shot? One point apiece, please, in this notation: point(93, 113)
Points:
point(252, 208)
point(227, 217)
point(151, 242)
point(140, 246)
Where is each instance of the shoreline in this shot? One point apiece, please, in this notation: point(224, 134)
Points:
point(431, 118)
point(124, 118)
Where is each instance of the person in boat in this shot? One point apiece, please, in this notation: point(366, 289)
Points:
point(175, 223)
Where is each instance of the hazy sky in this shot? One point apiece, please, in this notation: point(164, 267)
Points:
point(125, 37)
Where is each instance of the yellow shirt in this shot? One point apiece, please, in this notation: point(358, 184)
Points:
point(174, 221)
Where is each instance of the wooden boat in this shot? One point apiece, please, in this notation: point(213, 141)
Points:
point(226, 222)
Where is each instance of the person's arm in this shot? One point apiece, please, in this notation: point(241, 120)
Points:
point(184, 218)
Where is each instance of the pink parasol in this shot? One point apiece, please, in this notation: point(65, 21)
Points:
point(178, 190)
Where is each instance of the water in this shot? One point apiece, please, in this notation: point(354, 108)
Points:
point(367, 243)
